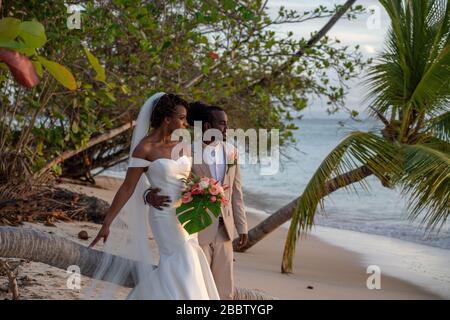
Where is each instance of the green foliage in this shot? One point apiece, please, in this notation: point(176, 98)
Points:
point(426, 184)
point(32, 34)
point(59, 72)
point(127, 50)
point(26, 37)
point(96, 66)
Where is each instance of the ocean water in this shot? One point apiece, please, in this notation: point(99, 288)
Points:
point(381, 211)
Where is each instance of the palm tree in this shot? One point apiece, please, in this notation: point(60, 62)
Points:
point(409, 91)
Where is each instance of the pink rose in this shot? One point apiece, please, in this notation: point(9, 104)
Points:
point(187, 197)
point(206, 179)
point(203, 184)
point(197, 191)
point(213, 199)
point(214, 190)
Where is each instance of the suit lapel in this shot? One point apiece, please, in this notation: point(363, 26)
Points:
point(225, 153)
point(226, 179)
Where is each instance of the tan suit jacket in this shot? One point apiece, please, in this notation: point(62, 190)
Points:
point(233, 213)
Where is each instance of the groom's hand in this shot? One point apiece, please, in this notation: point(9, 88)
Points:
point(243, 238)
point(157, 201)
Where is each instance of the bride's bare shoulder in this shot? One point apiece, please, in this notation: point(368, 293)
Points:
point(143, 150)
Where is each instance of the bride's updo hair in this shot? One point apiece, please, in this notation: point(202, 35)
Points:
point(166, 107)
point(199, 111)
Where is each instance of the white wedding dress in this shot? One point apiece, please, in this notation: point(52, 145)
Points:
point(183, 271)
point(127, 260)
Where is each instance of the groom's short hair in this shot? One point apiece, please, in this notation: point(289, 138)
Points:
point(199, 111)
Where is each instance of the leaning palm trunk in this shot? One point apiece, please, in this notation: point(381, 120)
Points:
point(61, 253)
point(285, 213)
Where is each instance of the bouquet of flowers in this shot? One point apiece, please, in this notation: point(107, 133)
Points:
point(201, 199)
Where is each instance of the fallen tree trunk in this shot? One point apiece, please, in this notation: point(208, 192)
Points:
point(61, 253)
point(94, 141)
point(55, 251)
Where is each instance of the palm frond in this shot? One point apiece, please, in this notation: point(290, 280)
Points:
point(426, 184)
point(358, 149)
point(414, 70)
point(431, 54)
point(439, 126)
point(438, 145)
point(434, 87)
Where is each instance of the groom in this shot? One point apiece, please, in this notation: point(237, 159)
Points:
point(222, 165)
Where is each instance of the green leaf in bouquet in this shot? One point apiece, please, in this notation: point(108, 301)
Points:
point(215, 208)
point(196, 215)
point(186, 214)
point(193, 226)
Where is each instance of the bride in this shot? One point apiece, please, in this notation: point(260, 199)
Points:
point(182, 271)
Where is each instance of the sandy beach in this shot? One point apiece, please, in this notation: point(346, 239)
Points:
point(321, 270)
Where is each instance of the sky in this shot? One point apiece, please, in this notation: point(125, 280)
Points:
point(368, 30)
